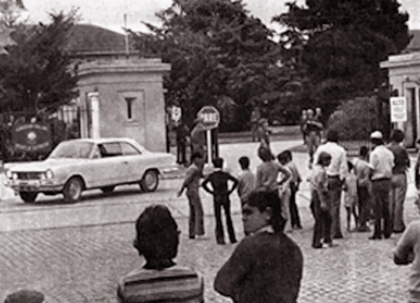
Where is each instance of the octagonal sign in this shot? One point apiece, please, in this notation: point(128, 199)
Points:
point(210, 116)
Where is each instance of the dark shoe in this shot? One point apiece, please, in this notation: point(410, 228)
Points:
point(317, 246)
point(191, 237)
point(221, 242)
point(233, 241)
point(340, 236)
point(387, 236)
point(375, 238)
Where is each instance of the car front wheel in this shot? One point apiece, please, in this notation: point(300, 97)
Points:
point(73, 190)
point(28, 197)
point(150, 181)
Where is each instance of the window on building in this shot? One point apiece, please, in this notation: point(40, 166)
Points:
point(130, 103)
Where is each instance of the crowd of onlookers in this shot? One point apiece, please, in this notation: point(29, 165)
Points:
point(266, 266)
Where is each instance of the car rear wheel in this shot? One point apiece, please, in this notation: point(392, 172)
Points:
point(73, 190)
point(107, 189)
point(150, 181)
point(28, 197)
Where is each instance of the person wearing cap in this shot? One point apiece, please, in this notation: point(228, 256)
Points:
point(398, 180)
point(381, 163)
point(336, 171)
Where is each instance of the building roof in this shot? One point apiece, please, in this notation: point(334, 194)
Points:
point(414, 44)
point(91, 40)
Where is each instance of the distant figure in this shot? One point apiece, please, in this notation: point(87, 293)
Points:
point(362, 171)
point(192, 184)
point(350, 196)
point(381, 162)
point(255, 117)
point(398, 180)
point(321, 202)
point(263, 133)
point(313, 130)
point(182, 133)
point(219, 181)
point(25, 296)
point(265, 267)
point(198, 137)
point(303, 118)
point(160, 279)
point(336, 171)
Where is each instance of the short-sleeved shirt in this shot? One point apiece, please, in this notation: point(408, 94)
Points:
point(319, 184)
point(246, 184)
point(338, 165)
point(174, 284)
point(381, 161)
point(401, 159)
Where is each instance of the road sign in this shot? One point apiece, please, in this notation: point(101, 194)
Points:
point(398, 109)
point(210, 116)
point(176, 113)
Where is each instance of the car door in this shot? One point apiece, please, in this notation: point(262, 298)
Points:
point(114, 165)
point(135, 160)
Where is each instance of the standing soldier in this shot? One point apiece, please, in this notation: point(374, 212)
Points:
point(198, 139)
point(181, 142)
point(313, 130)
point(381, 162)
point(255, 117)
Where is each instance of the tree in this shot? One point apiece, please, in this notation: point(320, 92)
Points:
point(338, 45)
point(35, 72)
point(217, 52)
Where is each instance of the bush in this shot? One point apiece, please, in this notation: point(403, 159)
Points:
point(355, 119)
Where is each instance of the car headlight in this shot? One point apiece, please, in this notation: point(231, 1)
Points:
point(14, 176)
point(49, 174)
point(9, 174)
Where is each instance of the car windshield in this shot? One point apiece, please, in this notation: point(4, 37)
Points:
point(71, 149)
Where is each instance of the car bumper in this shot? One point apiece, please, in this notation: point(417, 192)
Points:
point(33, 186)
point(171, 172)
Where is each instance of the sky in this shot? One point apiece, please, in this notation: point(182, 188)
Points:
point(110, 13)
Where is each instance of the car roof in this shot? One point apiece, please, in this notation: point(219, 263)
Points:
point(104, 140)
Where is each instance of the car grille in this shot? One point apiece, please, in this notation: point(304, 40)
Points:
point(29, 175)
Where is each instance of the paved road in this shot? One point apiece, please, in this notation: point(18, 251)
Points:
point(81, 263)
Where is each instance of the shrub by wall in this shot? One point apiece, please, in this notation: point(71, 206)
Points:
point(355, 119)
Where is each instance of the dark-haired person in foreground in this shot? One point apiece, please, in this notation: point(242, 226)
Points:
point(266, 266)
point(160, 279)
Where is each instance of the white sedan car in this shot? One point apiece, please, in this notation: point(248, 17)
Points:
point(82, 164)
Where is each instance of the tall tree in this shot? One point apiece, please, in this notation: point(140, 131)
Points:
point(35, 72)
point(216, 50)
point(339, 45)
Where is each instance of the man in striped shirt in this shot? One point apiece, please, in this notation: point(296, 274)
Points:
point(160, 279)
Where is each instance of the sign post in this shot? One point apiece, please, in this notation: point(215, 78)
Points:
point(211, 119)
point(398, 107)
